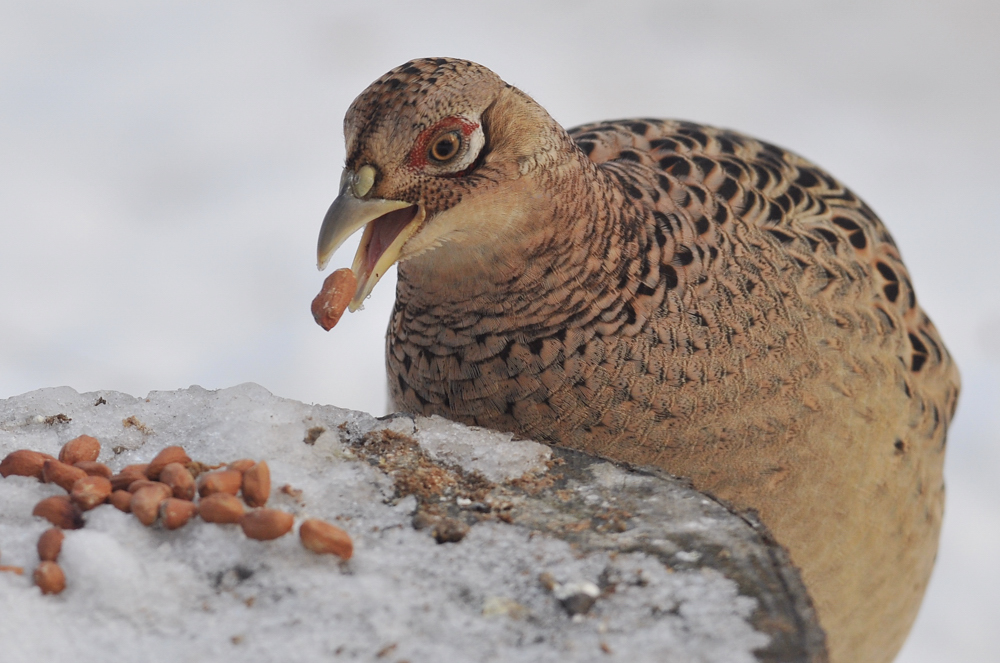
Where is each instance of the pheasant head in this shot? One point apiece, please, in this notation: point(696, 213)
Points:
point(440, 151)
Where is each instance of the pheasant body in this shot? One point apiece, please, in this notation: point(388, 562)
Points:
point(666, 293)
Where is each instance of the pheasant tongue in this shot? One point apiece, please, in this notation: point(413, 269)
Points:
point(384, 230)
point(380, 247)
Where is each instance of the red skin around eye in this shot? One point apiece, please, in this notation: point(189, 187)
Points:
point(418, 155)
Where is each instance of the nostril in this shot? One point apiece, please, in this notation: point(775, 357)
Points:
point(363, 181)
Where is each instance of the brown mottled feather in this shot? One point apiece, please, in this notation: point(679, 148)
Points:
point(662, 292)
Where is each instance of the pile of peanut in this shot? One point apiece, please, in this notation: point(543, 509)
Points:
point(163, 490)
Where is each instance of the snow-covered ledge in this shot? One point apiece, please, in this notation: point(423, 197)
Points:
point(523, 526)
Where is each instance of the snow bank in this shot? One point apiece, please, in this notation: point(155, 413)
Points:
point(207, 591)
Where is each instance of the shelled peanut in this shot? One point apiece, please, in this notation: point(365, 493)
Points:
point(220, 481)
point(333, 298)
point(24, 463)
point(265, 524)
point(167, 456)
point(83, 448)
point(50, 544)
point(180, 480)
point(175, 513)
point(221, 508)
point(321, 537)
point(257, 484)
point(61, 474)
point(90, 491)
point(49, 577)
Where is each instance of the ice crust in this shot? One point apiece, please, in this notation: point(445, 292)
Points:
point(206, 592)
point(450, 442)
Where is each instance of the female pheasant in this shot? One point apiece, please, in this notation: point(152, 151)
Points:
point(663, 293)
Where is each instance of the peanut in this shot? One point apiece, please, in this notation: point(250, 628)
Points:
point(122, 500)
point(179, 479)
point(176, 513)
point(142, 483)
point(241, 465)
point(221, 481)
point(80, 448)
point(50, 578)
point(127, 476)
point(167, 456)
point(257, 484)
point(90, 491)
point(60, 511)
point(321, 537)
point(24, 463)
point(337, 291)
point(93, 468)
point(50, 544)
point(266, 524)
point(145, 504)
point(220, 508)
point(61, 474)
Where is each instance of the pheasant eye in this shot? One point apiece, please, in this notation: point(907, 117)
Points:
point(446, 146)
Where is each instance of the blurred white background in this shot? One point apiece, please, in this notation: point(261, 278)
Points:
point(164, 168)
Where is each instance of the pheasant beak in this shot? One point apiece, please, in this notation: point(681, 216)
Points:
point(388, 225)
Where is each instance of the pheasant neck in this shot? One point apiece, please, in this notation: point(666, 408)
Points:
point(549, 268)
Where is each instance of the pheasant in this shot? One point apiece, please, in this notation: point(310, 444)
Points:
point(662, 293)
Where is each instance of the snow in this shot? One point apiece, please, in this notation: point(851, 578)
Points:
point(206, 591)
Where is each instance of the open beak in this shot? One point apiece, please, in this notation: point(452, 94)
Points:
point(388, 225)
